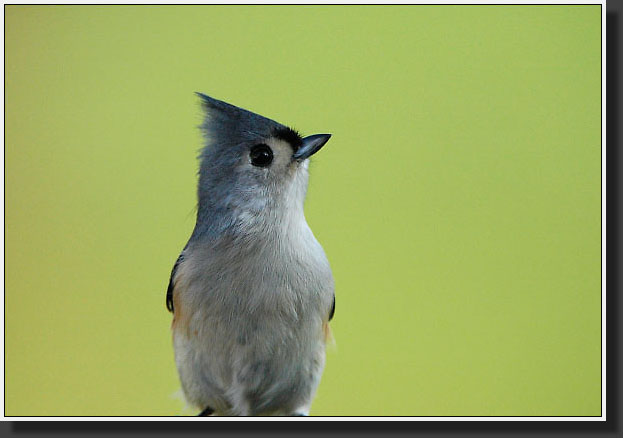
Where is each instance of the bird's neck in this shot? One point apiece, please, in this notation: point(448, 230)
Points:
point(275, 214)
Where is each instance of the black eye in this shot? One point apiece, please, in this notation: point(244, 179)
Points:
point(261, 155)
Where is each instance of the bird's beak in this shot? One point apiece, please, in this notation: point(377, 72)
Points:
point(311, 145)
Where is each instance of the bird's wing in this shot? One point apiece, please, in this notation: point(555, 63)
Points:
point(171, 282)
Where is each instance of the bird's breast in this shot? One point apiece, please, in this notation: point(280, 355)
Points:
point(284, 276)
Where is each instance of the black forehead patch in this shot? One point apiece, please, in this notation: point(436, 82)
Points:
point(290, 136)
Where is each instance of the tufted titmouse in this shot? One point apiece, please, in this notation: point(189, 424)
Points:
point(252, 292)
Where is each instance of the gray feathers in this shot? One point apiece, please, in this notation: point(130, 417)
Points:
point(229, 125)
point(225, 183)
point(253, 291)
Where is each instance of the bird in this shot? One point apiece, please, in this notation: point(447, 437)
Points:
point(252, 292)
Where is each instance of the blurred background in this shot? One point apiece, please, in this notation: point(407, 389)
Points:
point(458, 200)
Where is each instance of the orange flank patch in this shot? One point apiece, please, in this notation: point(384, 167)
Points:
point(180, 318)
point(181, 312)
point(177, 312)
point(326, 330)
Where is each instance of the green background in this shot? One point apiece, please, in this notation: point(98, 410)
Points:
point(458, 200)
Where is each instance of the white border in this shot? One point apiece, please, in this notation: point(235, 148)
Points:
point(317, 418)
point(603, 211)
point(307, 2)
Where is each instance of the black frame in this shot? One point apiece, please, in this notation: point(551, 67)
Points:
point(609, 428)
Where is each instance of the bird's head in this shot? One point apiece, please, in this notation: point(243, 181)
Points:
point(251, 166)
